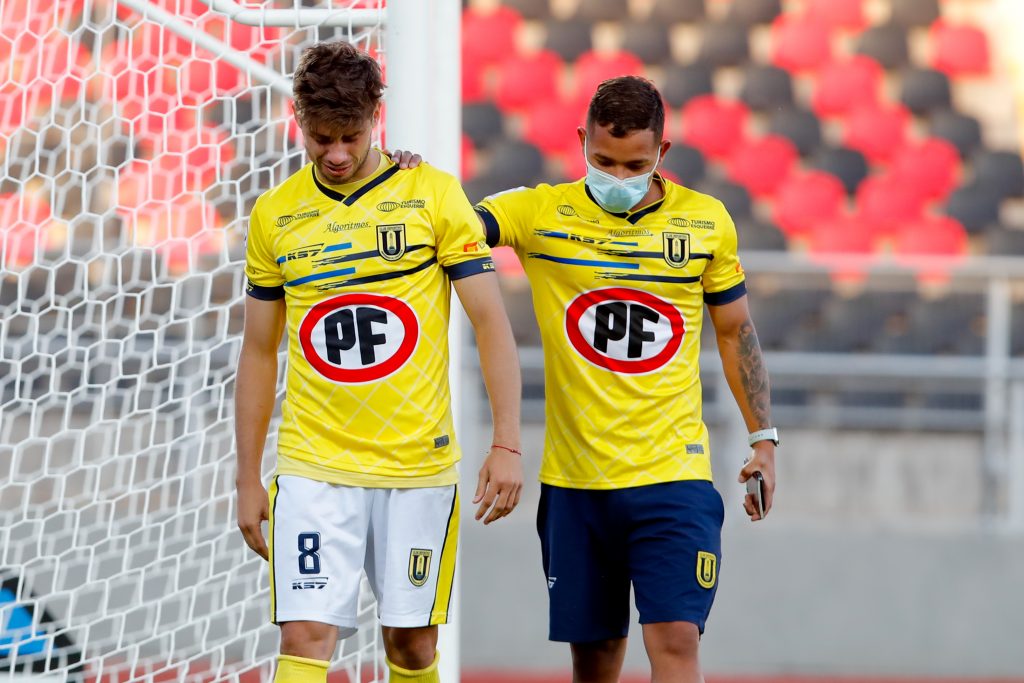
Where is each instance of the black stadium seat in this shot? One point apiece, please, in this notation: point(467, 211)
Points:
point(603, 10)
point(517, 161)
point(686, 163)
point(766, 87)
point(910, 13)
point(760, 235)
point(886, 44)
point(963, 131)
point(925, 91)
point(1002, 171)
point(681, 83)
point(647, 40)
point(752, 12)
point(569, 39)
point(976, 206)
point(735, 197)
point(847, 164)
point(724, 43)
point(678, 11)
point(1004, 241)
point(801, 126)
point(482, 123)
point(530, 9)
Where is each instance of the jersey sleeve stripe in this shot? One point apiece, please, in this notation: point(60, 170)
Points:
point(726, 296)
point(491, 228)
point(467, 268)
point(264, 293)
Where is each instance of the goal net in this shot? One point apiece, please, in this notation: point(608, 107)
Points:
point(132, 155)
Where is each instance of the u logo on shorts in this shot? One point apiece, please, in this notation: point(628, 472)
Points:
point(419, 565)
point(706, 566)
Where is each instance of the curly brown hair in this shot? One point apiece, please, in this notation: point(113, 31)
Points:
point(337, 85)
point(627, 104)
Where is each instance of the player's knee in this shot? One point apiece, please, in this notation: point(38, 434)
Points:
point(598, 661)
point(308, 639)
point(411, 648)
point(675, 640)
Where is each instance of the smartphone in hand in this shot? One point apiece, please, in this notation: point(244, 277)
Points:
point(755, 487)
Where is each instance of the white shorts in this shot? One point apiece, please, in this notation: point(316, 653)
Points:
point(323, 536)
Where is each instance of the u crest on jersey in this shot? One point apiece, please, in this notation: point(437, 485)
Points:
point(707, 565)
point(419, 566)
point(391, 241)
point(676, 248)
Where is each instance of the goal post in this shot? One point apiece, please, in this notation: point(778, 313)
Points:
point(135, 136)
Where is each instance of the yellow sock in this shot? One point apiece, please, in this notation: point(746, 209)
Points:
point(428, 675)
point(291, 669)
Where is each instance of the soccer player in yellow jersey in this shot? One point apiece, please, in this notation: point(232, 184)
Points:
point(621, 265)
point(352, 260)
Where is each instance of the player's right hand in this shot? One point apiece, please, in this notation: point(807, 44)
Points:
point(253, 510)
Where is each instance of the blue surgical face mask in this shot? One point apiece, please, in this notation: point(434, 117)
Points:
point(615, 195)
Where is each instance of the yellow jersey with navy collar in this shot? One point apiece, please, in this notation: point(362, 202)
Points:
point(619, 299)
point(365, 271)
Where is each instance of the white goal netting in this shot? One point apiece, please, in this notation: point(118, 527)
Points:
point(131, 159)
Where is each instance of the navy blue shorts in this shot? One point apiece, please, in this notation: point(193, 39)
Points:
point(664, 539)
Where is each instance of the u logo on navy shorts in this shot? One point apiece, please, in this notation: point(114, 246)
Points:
point(664, 539)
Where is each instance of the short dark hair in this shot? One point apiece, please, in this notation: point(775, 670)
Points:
point(336, 84)
point(627, 104)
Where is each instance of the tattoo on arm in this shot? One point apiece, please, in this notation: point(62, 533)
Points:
point(753, 374)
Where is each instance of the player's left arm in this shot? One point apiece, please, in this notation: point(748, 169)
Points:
point(743, 364)
point(501, 478)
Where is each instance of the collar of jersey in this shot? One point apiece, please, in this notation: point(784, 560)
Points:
point(383, 172)
point(633, 217)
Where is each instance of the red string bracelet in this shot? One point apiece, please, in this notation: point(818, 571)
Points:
point(506, 448)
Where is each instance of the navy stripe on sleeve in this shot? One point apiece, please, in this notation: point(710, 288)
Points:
point(467, 268)
point(264, 293)
point(726, 296)
point(491, 229)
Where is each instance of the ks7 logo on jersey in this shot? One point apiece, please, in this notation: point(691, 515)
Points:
point(624, 330)
point(355, 338)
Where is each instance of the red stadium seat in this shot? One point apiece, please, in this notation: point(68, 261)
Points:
point(552, 125)
point(930, 166)
point(807, 199)
point(799, 43)
point(846, 14)
point(593, 68)
point(762, 165)
point(877, 131)
point(842, 85)
point(843, 236)
point(714, 126)
point(473, 88)
point(525, 79)
point(489, 36)
point(959, 50)
point(27, 229)
point(932, 236)
point(889, 204)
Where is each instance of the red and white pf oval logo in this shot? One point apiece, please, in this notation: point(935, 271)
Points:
point(624, 330)
point(355, 338)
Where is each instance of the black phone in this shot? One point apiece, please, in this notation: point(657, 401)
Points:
point(755, 487)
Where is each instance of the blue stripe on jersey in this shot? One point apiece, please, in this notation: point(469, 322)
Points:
point(673, 279)
point(725, 296)
point(333, 247)
point(358, 256)
point(585, 262)
point(567, 236)
point(338, 247)
point(320, 276)
point(646, 254)
point(467, 268)
point(379, 277)
point(264, 293)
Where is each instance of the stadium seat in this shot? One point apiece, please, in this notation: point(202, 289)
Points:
point(522, 80)
point(551, 125)
point(483, 123)
point(467, 158)
point(799, 43)
point(959, 50)
point(842, 85)
point(931, 236)
point(602, 10)
point(485, 184)
point(963, 131)
point(593, 68)
point(975, 206)
point(28, 229)
point(685, 163)
point(911, 13)
point(489, 36)
point(1001, 171)
point(680, 84)
point(568, 39)
point(877, 131)
point(735, 197)
point(518, 162)
point(929, 166)
point(534, 10)
point(754, 234)
point(925, 90)
point(802, 128)
point(849, 165)
point(678, 11)
point(1002, 241)
point(806, 199)
point(841, 14)
point(648, 40)
point(831, 241)
point(750, 13)
point(723, 43)
point(761, 165)
point(473, 87)
point(766, 87)
point(714, 126)
point(888, 204)
point(886, 44)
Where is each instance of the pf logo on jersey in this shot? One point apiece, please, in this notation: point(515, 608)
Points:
point(624, 330)
point(355, 338)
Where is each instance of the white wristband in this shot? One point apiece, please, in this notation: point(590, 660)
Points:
point(770, 434)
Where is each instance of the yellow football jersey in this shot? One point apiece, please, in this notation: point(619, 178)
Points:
point(365, 270)
point(619, 299)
